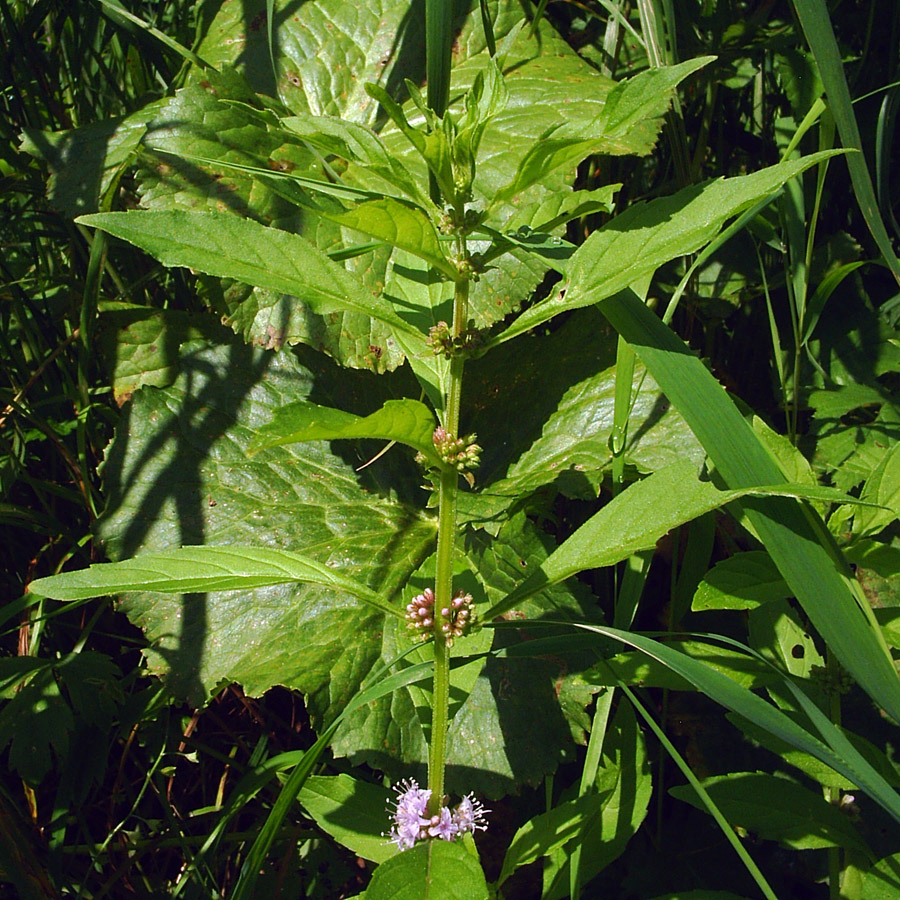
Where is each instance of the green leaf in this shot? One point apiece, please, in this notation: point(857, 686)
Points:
point(400, 225)
point(882, 881)
point(775, 808)
point(200, 141)
point(405, 421)
point(635, 668)
point(816, 768)
point(882, 487)
point(433, 870)
point(200, 569)
point(356, 143)
point(553, 211)
point(52, 699)
point(227, 246)
point(741, 582)
point(86, 162)
point(548, 413)
point(423, 299)
point(637, 242)
point(353, 812)
point(178, 474)
point(139, 344)
point(628, 123)
point(547, 832)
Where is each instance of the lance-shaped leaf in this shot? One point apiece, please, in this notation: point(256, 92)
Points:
point(231, 247)
point(636, 243)
point(397, 222)
point(636, 519)
point(405, 421)
point(187, 570)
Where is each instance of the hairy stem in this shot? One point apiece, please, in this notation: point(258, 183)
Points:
point(443, 586)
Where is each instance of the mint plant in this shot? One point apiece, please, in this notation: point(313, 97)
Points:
point(371, 232)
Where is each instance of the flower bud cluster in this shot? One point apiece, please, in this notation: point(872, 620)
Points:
point(411, 822)
point(461, 453)
point(443, 343)
point(457, 617)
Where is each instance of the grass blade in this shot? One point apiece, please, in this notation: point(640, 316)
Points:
point(816, 24)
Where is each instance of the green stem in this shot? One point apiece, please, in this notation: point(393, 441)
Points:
point(833, 792)
point(443, 581)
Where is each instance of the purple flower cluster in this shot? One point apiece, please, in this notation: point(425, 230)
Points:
point(412, 822)
point(458, 616)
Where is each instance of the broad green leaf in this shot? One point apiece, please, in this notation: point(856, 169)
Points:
point(544, 413)
point(889, 620)
point(405, 421)
point(178, 474)
point(882, 487)
point(52, 699)
point(553, 211)
point(205, 141)
point(189, 570)
point(627, 123)
point(227, 246)
point(139, 344)
point(624, 776)
point(850, 455)
point(353, 812)
point(356, 143)
point(741, 582)
point(637, 242)
point(547, 832)
point(791, 532)
point(85, 162)
point(882, 881)
point(777, 809)
point(423, 299)
point(778, 633)
point(816, 768)
point(37, 725)
point(200, 140)
point(433, 870)
point(326, 52)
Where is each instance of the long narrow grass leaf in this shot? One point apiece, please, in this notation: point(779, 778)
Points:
point(816, 23)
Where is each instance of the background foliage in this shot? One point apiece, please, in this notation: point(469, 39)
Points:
point(122, 784)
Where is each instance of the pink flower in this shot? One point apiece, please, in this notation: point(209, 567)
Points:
point(412, 823)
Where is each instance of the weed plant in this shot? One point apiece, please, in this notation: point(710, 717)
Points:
point(381, 349)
